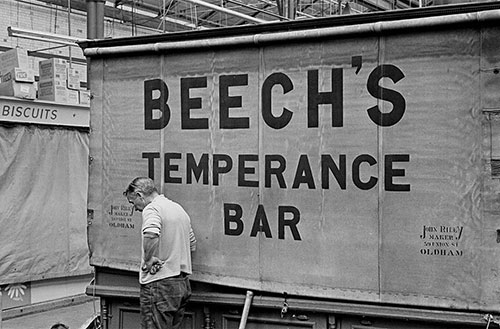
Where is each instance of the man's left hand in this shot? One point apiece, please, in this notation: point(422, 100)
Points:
point(153, 265)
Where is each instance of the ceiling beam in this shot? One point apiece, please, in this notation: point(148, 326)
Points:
point(269, 3)
point(150, 11)
point(227, 11)
point(257, 9)
point(152, 21)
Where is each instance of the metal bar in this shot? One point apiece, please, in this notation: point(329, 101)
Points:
point(42, 36)
point(48, 48)
point(227, 11)
point(165, 18)
point(256, 9)
point(40, 54)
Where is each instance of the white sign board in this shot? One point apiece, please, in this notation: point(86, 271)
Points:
point(43, 112)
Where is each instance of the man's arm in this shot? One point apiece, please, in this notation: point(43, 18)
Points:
point(151, 261)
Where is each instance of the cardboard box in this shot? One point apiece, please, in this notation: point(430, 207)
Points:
point(53, 90)
point(17, 89)
point(17, 57)
point(73, 97)
point(84, 97)
point(77, 78)
point(19, 74)
point(53, 69)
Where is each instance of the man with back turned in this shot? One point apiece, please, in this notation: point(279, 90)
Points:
point(167, 242)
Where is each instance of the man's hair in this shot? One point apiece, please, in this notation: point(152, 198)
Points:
point(141, 184)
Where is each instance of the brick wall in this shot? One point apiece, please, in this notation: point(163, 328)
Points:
point(44, 17)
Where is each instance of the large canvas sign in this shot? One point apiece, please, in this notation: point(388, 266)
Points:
point(350, 168)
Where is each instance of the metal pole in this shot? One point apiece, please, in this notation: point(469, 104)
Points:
point(91, 19)
point(292, 9)
point(99, 19)
point(246, 310)
point(69, 33)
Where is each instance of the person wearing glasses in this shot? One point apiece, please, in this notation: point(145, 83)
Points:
point(167, 243)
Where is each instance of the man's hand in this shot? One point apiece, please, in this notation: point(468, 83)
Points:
point(153, 265)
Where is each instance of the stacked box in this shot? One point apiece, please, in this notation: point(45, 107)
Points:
point(84, 97)
point(52, 90)
point(77, 78)
point(58, 82)
point(73, 97)
point(77, 81)
point(52, 82)
point(17, 57)
point(18, 89)
point(53, 69)
point(18, 74)
point(16, 77)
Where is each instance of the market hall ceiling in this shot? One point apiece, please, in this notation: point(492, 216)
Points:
point(182, 15)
